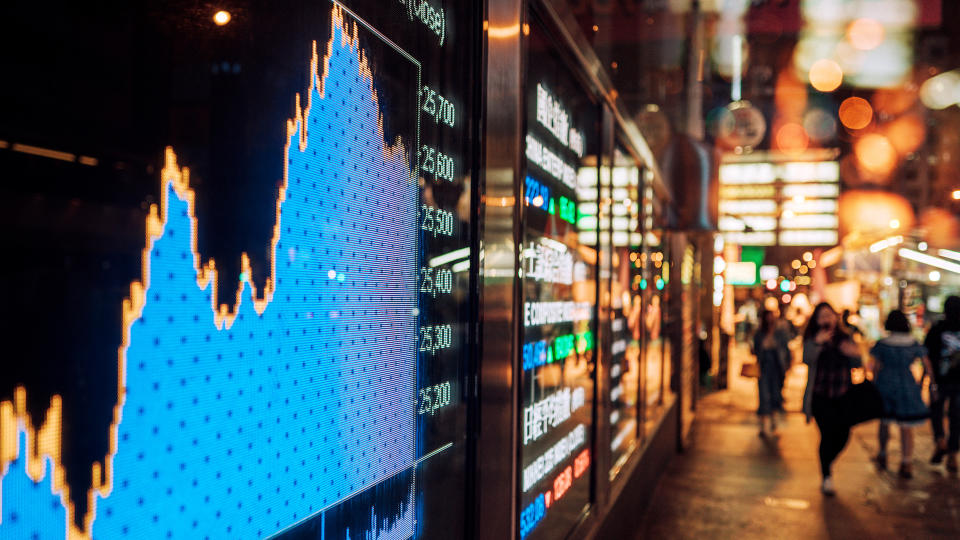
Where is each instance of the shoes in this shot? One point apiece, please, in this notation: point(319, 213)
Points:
point(939, 453)
point(827, 487)
point(952, 462)
point(906, 471)
point(881, 460)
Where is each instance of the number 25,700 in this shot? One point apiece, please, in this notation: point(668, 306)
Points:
point(437, 107)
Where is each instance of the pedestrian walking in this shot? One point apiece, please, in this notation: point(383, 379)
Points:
point(748, 318)
point(785, 333)
point(902, 400)
point(943, 346)
point(770, 360)
point(829, 353)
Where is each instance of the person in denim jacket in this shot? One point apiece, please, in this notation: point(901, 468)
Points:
point(902, 400)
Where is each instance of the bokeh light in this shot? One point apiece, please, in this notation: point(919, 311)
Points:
point(895, 100)
point(792, 138)
point(221, 17)
point(825, 75)
point(850, 171)
point(942, 227)
point(872, 211)
point(941, 91)
point(790, 95)
point(856, 113)
point(875, 153)
point(819, 124)
point(906, 133)
point(865, 34)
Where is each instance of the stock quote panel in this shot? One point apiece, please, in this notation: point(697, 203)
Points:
point(241, 294)
point(559, 296)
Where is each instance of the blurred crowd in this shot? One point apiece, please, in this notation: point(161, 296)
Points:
point(905, 377)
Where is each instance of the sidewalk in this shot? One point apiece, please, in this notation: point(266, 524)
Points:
point(732, 484)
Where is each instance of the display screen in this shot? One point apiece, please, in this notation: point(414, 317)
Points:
point(241, 294)
point(621, 201)
point(655, 364)
point(559, 298)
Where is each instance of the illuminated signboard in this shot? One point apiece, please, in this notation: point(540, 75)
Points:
point(620, 304)
point(768, 272)
point(741, 273)
point(317, 391)
point(558, 302)
point(786, 203)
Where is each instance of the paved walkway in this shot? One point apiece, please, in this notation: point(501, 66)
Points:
point(733, 484)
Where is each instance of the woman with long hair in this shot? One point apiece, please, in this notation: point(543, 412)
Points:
point(768, 349)
point(902, 400)
point(829, 353)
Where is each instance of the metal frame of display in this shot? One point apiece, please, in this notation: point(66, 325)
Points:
point(496, 456)
point(495, 466)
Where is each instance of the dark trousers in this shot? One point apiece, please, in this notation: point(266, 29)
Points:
point(834, 432)
point(948, 394)
point(770, 385)
point(778, 396)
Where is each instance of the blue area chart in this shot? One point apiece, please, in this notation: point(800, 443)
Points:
point(240, 424)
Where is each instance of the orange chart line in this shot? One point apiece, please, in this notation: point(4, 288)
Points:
point(49, 435)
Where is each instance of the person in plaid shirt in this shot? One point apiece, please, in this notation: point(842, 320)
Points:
point(829, 354)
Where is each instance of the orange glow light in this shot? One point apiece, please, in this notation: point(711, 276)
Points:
point(897, 100)
point(825, 75)
point(875, 153)
point(790, 96)
point(942, 226)
point(856, 113)
point(221, 17)
point(792, 138)
point(906, 133)
point(865, 34)
point(874, 211)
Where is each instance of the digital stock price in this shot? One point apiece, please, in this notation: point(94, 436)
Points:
point(558, 308)
point(620, 217)
point(329, 401)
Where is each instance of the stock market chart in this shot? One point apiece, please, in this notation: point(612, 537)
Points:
point(322, 403)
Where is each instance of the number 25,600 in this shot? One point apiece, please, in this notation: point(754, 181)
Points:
point(436, 163)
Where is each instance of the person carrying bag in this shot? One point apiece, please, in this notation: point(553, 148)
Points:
point(830, 397)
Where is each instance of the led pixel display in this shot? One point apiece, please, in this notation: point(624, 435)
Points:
point(323, 403)
point(559, 298)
